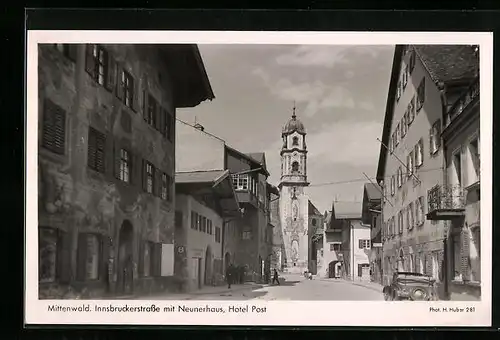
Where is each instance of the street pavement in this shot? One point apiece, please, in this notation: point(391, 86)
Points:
point(293, 288)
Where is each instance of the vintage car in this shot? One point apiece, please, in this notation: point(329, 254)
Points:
point(411, 286)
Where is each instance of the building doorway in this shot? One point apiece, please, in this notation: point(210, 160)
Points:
point(125, 270)
point(333, 269)
point(208, 266)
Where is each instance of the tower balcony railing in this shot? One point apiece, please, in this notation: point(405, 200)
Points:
point(445, 202)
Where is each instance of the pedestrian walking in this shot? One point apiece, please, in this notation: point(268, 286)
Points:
point(229, 275)
point(275, 277)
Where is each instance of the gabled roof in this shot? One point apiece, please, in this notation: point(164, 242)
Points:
point(449, 64)
point(346, 210)
point(259, 157)
point(256, 163)
point(199, 176)
point(313, 210)
point(446, 65)
point(373, 191)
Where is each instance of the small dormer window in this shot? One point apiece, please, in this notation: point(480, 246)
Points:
point(295, 141)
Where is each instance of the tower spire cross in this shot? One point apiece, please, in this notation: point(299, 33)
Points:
point(293, 112)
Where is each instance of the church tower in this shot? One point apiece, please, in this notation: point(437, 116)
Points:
point(293, 199)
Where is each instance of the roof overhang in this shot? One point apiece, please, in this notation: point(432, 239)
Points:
point(389, 111)
point(191, 83)
point(255, 165)
point(217, 184)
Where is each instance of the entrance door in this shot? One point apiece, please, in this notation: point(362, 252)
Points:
point(331, 269)
point(199, 274)
point(125, 274)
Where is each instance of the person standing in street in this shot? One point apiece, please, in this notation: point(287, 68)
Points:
point(229, 275)
point(275, 277)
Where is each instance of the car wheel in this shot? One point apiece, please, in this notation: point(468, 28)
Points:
point(387, 297)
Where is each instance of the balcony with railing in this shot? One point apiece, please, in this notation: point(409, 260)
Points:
point(445, 202)
point(246, 188)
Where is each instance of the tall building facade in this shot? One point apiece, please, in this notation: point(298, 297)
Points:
point(294, 202)
point(424, 79)
point(106, 164)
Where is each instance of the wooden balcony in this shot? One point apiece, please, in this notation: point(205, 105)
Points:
point(445, 202)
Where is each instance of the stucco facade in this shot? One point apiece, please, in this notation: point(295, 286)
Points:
point(106, 167)
point(410, 241)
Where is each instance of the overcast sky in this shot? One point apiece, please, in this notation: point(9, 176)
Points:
point(340, 92)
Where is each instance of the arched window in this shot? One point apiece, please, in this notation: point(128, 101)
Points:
point(295, 166)
point(295, 141)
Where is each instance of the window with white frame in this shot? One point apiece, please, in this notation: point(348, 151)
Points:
point(457, 167)
point(419, 153)
point(393, 185)
point(411, 110)
point(435, 137)
point(420, 95)
point(124, 166)
point(405, 77)
point(398, 93)
point(364, 244)
point(400, 177)
point(398, 134)
point(240, 182)
point(403, 124)
point(409, 164)
point(149, 177)
point(473, 161)
point(392, 142)
point(410, 216)
point(419, 211)
point(400, 222)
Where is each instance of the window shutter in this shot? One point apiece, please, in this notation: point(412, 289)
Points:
point(144, 175)
point(172, 128)
point(465, 254)
point(360, 244)
point(119, 81)
point(438, 134)
point(117, 159)
point(54, 127)
point(145, 104)
point(136, 104)
point(105, 248)
point(81, 267)
point(112, 73)
point(140, 267)
point(72, 51)
point(63, 256)
point(92, 149)
point(90, 60)
point(135, 167)
point(157, 257)
point(157, 182)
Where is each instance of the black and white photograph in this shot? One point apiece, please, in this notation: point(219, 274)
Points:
point(231, 176)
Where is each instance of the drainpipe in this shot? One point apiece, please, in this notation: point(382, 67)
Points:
point(447, 226)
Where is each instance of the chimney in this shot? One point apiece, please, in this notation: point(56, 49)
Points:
point(199, 127)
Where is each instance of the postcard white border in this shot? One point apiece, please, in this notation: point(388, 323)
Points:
point(313, 313)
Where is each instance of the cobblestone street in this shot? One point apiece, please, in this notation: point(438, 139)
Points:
point(293, 288)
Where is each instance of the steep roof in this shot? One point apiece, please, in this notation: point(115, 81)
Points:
point(373, 191)
point(313, 210)
point(346, 210)
point(248, 158)
point(199, 176)
point(260, 157)
point(436, 59)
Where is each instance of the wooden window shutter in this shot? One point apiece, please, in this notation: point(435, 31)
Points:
point(144, 175)
point(136, 90)
point(72, 51)
point(90, 65)
point(158, 114)
point(63, 256)
point(135, 166)
point(105, 248)
point(120, 81)
point(145, 104)
point(111, 73)
point(168, 125)
point(162, 120)
point(140, 267)
point(81, 265)
point(157, 259)
point(54, 127)
point(172, 127)
point(465, 255)
point(92, 147)
point(117, 158)
point(438, 134)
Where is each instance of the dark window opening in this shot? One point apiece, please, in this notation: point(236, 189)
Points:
point(96, 149)
point(295, 141)
point(54, 128)
point(295, 166)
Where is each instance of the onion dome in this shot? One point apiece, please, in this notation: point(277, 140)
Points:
point(293, 125)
